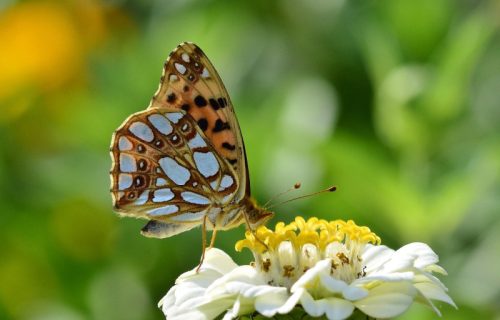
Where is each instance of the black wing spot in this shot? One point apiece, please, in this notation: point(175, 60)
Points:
point(228, 146)
point(222, 102)
point(191, 77)
point(203, 124)
point(140, 148)
point(200, 101)
point(220, 126)
point(214, 104)
point(186, 88)
point(171, 97)
point(185, 107)
point(232, 161)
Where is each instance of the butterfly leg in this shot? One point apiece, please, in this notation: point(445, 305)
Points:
point(204, 242)
point(253, 232)
point(212, 240)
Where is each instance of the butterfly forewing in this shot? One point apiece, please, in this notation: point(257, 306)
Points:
point(165, 168)
point(190, 82)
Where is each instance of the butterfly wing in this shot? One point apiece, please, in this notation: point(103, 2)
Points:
point(165, 169)
point(190, 82)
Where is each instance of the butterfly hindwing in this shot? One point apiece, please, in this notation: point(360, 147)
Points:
point(191, 83)
point(165, 169)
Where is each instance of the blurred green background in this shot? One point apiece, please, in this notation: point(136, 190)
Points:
point(396, 102)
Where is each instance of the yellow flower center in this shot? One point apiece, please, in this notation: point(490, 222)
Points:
point(284, 254)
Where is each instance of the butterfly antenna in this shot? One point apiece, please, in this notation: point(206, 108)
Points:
point(329, 189)
point(295, 187)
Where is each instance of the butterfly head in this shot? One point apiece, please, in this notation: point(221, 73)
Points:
point(257, 216)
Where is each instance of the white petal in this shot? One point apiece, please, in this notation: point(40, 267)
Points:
point(353, 293)
point(338, 309)
point(244, 273)
point(322, 266)
point(436, 268)
point(240, 306)
point(188, 298)
point(189, 314)
point(385, 277)
point(312, 307)
point(387, 300)
point(269, 304)
point(229, 315)
point(331, 284)
point(434, 292)
point(239, 279)
point(425, 255)
point(375, 256)
point(253, 291)
point(214, 308)
point(186, 301)
point(168, 300)
point(335, 309)
point(204, 278)
point(428, 277)
point(218, 260)
point(399, 263)
point(292, 301)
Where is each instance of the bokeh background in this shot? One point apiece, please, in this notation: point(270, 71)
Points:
point(395, 101)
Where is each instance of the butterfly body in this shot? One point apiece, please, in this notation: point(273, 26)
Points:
point(181, 162)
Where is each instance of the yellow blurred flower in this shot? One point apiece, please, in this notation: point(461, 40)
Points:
point(43, 48)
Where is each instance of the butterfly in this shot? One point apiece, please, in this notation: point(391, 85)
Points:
point(181, 163)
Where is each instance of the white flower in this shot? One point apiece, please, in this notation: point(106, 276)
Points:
point(328, 268)
point(219, 285)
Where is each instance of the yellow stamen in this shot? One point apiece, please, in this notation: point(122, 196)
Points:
point(315, 231)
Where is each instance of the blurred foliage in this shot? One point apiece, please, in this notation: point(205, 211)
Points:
point(396, 102)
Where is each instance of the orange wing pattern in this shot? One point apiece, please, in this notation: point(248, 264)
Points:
point(190, 82)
